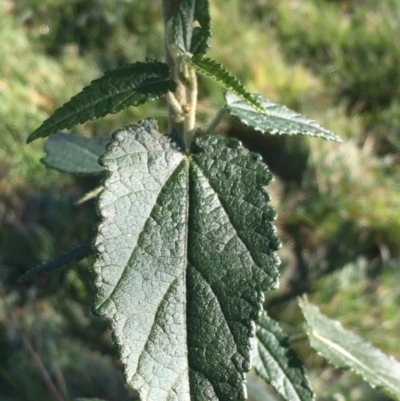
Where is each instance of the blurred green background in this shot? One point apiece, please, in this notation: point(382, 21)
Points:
point(338, 204)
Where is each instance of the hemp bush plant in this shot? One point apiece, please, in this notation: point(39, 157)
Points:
point(186, 245)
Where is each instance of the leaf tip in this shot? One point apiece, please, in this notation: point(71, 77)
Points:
point(31, 138)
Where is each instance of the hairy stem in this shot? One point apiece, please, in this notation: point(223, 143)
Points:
point(214, 122)
point(190, 117)
point(168, 11)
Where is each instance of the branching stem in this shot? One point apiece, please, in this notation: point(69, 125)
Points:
point(175, 106)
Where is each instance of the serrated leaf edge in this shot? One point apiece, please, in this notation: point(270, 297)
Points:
point(325, 134)
point(226, 79)
point(310, 331)
point(38, 132)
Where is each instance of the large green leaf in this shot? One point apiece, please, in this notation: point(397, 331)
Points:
point(128, 85)
point(190, 39)
point(278, 119)
point(346, 350)
point(185, 250)
point(218, 73)
point(75, 154)
point(278, 364)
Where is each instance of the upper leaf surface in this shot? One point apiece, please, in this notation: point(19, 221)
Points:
point(128, 85)
point(278, 119)
point(218, 73)
point(185, 249)
point(346, 350)
point(75, 154)
point(278, 364)
point(190, 39)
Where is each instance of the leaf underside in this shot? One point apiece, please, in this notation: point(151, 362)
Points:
point(218, 73)
point(190, 39)
point(116, 90)
point(75, 154)
point(278, 119)
point(346, 350)
point(185, 250)
point(277, 363)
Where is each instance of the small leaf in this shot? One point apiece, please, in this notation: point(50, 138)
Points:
point(185, 250)
point(89, 399)
point(278, 119)
point(128, 85)
point(218, 73)
point(82, 251)
point(346, 350)
point(75, 154)
point(190, 39)
point(278, 364)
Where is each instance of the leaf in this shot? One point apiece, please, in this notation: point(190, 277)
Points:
point(128, 85)
point(82, 251)
point(88, 399)
point(75, 154)
point(346, 350)
point(185, 250)
point(218, 73)
point(257, 390)
point(278, 119)
point(190, 39)
point(278, 364)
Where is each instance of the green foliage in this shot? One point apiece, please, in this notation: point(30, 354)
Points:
point(181, 252)
point(337, 204)
point(78, 253)
point(190, 39)
point(277, 364)
point(75, 154)
point(278, 119)
point(129, 85)
point(217, 72)
point(346, 350)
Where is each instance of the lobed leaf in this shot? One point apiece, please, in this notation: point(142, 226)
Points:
point(219, 74)
point(277, 363)
point(190, 39)
point(346, 350)
point(185, 250)
point(75, 154)
point(116, 90)
point(278, 119)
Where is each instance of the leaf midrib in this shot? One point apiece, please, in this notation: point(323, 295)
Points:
point(248, 108)
point(228, 216)
point(89, 105)
point(90, 152)
point(332, 345)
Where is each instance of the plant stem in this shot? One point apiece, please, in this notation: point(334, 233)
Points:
point(214, 122)
point(168, 11)
point(190, 117)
